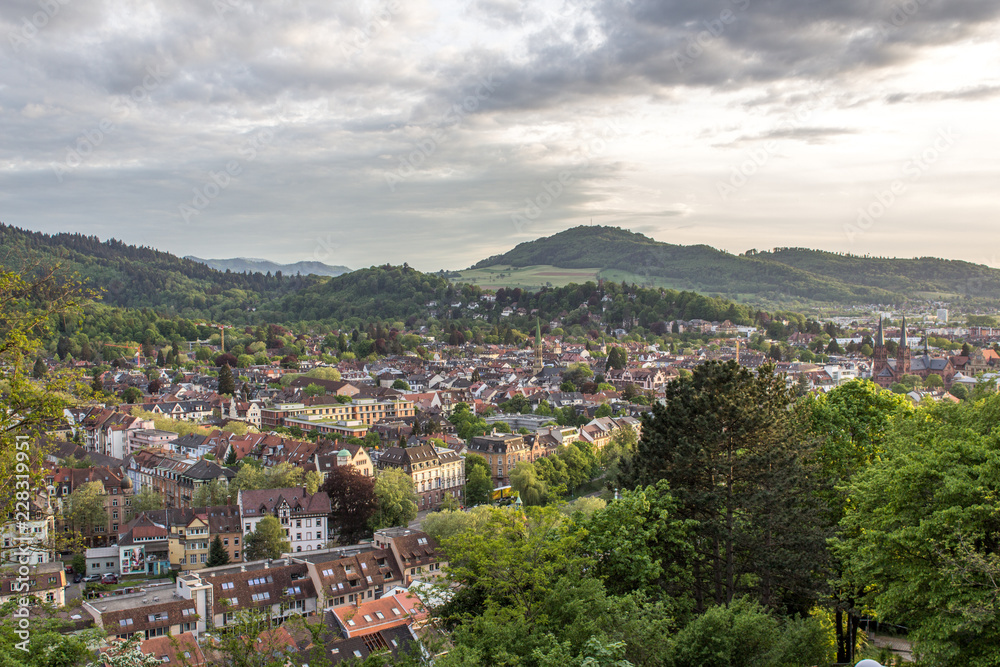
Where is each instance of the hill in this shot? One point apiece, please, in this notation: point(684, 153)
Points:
point(253, 265)
point(789, 277)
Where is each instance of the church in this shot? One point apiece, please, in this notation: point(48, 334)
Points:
point(886, 371)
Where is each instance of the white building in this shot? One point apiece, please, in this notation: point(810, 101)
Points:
point(303, 516)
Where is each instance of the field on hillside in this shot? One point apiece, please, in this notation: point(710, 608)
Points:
point(495, 277)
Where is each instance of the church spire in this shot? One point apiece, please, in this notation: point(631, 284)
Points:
point(880, 336)
point(902, 333)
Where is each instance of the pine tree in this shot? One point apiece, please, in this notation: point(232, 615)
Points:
point(227, 386)
point(231, 457)
point(159, 359)
point(40, 369)
point(734, 453)
point(96, 383)
point(217, 554)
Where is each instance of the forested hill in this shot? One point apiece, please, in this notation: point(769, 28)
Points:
point(783, 276)
point(141, 277)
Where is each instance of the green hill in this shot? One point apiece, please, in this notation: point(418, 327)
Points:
point(787, 277)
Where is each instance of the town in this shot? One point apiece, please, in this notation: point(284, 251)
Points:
point(201, 482)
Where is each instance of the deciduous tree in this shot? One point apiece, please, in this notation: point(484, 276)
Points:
point(352, 497)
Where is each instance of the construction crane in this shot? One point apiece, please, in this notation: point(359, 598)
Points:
point(222, 333)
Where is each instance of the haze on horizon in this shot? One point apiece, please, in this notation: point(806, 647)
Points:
point(436, 132)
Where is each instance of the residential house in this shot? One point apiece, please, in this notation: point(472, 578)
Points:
point(302, 515)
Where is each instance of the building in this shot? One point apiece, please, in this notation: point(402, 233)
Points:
point(886, 371)
point(502, 451)
point(363, 411)
point(46, 581)
point(156, 613)
point(422, 464)
point(303, 516)
point(416, 553)
point(32, 541)
point(179, 651)
point(116, 489)
point(351, 455)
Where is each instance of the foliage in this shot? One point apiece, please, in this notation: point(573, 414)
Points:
point(353, 501)
point(85, 507)
point(217, 554)
point(213, 493)
point(268, 540)
point(921, 530)
point(146, 499)
point(227, 385)
point(733, 452)
point(478, 480)
point(397, 500)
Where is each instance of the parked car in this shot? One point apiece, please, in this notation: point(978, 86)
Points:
point(109, 578)
point(92, 578)
point(78, 578)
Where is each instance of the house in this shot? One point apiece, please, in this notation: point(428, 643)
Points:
point(503, 451)
point(302, 515)
point(416, 552)
point(350, 455)
point(149, 614)
point(179, 651)
point(46, 581)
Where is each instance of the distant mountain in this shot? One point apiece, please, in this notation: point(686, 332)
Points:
point(253, 265)
point(792, 277)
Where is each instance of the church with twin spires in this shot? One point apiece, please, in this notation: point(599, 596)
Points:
point(886, 371)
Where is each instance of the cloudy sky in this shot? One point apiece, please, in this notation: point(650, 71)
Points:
point(440, 132)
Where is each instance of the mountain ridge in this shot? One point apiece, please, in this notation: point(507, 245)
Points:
point(257, 265)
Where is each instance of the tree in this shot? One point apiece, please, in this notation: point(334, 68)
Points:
point(397, 500)
point(353, 502)
point(147, 499)
point(933, 381)
point(920, 533)
point(217, 554)
point(478, 480)
point(733, 451)
point(529, 487)
point(268, 540)
point(401, 385)
point(126, 654)
point(79, 563)
point(96, 385)
point(227, 385)
point(39, 370)
point(603, 410)
point(313, 389)
point(617, 358)
point(132, 395)
point(212, 493)
point(85, 508)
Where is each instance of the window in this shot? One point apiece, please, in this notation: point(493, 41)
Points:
point(225, 542)
point(298, 536)
point(379, 615)
point(293, 590)
point(236, 541)
point(236, 554)
point(187, 612)
point(327, 573)
point(125, 622)
point(395, 611)
point(228, 585)
point(233, 601)
point(368, 618)
point(351, 622)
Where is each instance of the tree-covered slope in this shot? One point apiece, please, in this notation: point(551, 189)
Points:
point(141, 277)
point(785, 274)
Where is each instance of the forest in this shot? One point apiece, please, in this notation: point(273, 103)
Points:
point(786, 274)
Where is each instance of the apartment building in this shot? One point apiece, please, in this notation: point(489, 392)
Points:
point(302, 515)
point(502, 451)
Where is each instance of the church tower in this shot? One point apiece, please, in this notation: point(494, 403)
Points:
point(539, 364)
point(879, 354)
point(903, 353)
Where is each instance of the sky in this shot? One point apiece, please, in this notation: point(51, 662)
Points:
point(439, 132)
